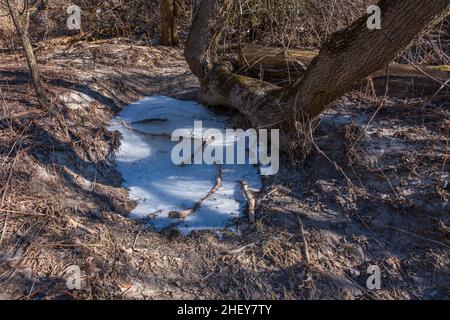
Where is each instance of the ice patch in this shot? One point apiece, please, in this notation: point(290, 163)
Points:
point(159, 186)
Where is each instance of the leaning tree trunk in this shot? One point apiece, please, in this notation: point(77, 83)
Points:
point(169, 22)
point(346, 58)
point(22, 27)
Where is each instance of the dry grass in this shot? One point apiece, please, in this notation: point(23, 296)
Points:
point(63, 204)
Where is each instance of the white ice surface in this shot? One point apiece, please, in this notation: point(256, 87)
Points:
point(158, 185)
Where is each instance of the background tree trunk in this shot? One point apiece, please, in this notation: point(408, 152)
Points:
point(21, 23)
point(169, 22)
point(348, 57)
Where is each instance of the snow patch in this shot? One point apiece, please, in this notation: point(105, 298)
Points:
point(159, 186)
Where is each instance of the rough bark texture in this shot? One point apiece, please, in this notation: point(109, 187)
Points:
point(169, 22)
point(348, 57)
point(205, 31)
point(22, 26)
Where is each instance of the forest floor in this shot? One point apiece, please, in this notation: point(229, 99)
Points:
point(367, 195)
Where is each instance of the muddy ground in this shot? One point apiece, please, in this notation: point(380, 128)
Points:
point(371, 193)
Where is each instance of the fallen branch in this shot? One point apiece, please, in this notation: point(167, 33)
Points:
point(305, 246)
point(251, 202)
point(186, 213)
point(78, 225)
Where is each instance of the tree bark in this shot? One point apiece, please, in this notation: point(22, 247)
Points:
point(169, 22)
point(22, 27)
point(346, 58)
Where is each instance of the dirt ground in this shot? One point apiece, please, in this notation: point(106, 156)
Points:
point(374, 191)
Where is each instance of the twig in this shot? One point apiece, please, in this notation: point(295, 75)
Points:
point(145, 121)
point(71, 245)
point(376, 111)
point(80, 226)
point(305, 247)
point(23, 213)
point(445, 159)
point(240, 249)
point(441, 88)
point(186, 213)
point(5, 191)
point(241, 54)
point(135, 241)
point(266, 195)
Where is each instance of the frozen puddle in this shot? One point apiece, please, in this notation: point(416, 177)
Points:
point(158, 185)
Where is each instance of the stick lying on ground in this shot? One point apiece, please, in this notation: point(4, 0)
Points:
point(251, 203)
point(186, 213)
point(305, 244)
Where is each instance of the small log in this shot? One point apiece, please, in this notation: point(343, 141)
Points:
point(251, 203)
